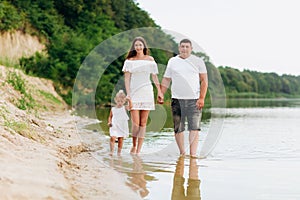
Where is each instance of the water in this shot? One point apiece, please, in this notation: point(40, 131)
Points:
point(256, 157)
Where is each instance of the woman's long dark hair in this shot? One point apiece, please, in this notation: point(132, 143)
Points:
point(132, 51)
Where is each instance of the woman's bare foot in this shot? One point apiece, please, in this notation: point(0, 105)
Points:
point(133, 150)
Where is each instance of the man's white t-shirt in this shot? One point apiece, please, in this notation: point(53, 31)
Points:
point(184, 74)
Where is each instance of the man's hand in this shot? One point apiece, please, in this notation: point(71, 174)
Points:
point(200, 103)
point(160, 98)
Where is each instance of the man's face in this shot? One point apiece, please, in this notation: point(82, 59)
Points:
point(185, 50)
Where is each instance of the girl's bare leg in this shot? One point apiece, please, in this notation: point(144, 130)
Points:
point(112, 144)
point(120, 145)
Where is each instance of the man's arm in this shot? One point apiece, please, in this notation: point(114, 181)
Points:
point(160, 96)
point(203, 89)
point(165, 83)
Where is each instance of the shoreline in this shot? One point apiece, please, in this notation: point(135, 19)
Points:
point(59, 166)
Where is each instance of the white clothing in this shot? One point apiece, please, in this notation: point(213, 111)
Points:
point(119, 122)
point(184, 74)
point(141, 90)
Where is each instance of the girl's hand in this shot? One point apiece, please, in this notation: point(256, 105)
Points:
point(109, 124)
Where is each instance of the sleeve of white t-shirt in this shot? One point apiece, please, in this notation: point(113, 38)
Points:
point(198, 63)
point(168, 73)
point(202, 66)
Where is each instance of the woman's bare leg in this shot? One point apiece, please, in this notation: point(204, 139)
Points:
point(142, 130)
point(135, 118)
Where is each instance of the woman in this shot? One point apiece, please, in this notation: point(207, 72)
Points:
point(137, 69)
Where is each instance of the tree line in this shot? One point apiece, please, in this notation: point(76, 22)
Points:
point(72, 29)
point(249, 83)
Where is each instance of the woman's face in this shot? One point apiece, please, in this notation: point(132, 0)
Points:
point(138, 46)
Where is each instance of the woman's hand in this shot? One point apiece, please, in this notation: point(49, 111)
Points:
point(160, 98)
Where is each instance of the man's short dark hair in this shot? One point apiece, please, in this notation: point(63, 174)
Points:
point(185, 41)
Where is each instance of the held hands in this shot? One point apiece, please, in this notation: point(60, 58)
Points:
point(129, 102)
point(160, 98)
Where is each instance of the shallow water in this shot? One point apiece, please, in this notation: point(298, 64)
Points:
point(256, 157)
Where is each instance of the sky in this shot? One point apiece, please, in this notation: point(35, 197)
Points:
point(259, 35)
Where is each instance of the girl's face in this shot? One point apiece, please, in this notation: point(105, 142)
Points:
point(138, 46)
point(120, 101)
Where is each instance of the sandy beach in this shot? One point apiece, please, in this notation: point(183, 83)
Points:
point(42, 155)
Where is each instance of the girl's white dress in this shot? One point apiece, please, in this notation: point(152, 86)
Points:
point(141, 90)
point(119, 122)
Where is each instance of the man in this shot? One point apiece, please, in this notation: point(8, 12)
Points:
point(189, 86)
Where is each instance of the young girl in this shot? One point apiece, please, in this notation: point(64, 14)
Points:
point(118, 121)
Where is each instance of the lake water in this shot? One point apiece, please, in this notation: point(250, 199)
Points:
point(257, 156)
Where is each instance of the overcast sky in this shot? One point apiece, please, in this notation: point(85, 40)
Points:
point(260, 35)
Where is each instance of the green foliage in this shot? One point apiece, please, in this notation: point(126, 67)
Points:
point(256, 84)
point(73, 29)
point(10, 18)
point(50, 97)
point(26, 101)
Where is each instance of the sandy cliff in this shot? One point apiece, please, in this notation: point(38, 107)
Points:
point(41, 153)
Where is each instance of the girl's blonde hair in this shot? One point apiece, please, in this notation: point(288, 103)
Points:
point(120, 95)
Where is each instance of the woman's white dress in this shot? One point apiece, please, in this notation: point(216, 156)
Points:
point(119, 122)
point(141, 90)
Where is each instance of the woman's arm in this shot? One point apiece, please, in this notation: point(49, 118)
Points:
point(127, 76)
point(109, 121)
point(160, 96)
point(129, 106)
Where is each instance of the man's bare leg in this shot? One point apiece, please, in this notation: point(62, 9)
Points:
point(179, 137)
point(193, 140)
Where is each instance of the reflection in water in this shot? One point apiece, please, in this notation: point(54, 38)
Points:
point(137, 176)
point(137, 179)
point(193, 181)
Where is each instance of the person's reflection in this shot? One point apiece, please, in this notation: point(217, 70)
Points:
point(193, 183)
point(137, 179)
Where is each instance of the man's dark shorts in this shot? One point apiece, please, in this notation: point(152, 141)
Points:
point(183, 109)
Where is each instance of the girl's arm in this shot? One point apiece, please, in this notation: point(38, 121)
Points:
point(109, 121)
